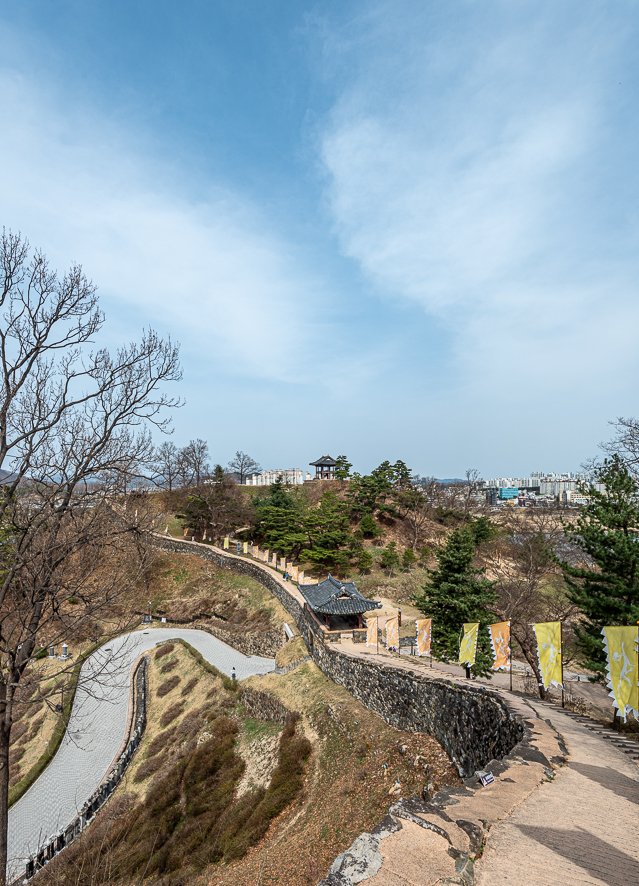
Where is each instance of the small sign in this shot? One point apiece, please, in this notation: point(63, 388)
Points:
point(163, 620)
point(487, 778)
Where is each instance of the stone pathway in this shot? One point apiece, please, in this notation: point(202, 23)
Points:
point(96, 731)
point(577, 829)
point(581, 828)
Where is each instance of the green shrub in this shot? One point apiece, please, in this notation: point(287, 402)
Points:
point(169, 666)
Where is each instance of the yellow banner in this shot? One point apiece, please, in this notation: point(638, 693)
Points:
point(226, 543)
point(424, 634)
point(392, 632)
point(623, 668)
point(300, 577)
point(371, 631)
point(282, 563)
point(549, 652)
point(256, 551)
point(500, 641)
point(294, 573)
point(468, 646)
point(245, 548)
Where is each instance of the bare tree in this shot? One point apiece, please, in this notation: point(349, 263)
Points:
point(416, 509)
point(194, 463)
point(73, 432)
point(167, 465)
point(243, 465)
point(625, 443)
point(469, 491)
point(215, 509)
point(529, 582)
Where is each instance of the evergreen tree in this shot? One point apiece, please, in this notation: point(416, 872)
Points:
point(456, 594)
point(368, 525)
point(390, 558)
point(328, 533)
point(218, 474)
point(365, 561)
point(279, 520)
point(605, 586)
point(483, 529)
point(409, 559)
point(342, 467)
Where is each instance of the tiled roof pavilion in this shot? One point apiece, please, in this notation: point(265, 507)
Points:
point(333, 597)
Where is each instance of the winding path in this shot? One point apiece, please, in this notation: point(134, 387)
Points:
point(96, 731)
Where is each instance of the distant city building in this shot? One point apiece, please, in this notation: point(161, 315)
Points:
point(293, 476)
point(576, 499)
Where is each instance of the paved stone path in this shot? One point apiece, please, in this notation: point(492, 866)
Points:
point(96, 731)
point(581, 828)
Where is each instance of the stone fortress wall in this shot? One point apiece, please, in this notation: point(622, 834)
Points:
point(471, 723)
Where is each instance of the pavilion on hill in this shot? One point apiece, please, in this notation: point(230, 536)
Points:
point(337, 603)
point(324, 468)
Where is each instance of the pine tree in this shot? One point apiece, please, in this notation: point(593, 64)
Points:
point(365, 561)
point(342, 468)
point(368, 525)
point(457, 594)
point(607, 532)
point(390, 558)
point(409, 559)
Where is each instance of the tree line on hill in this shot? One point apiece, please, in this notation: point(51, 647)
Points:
point(525, 568)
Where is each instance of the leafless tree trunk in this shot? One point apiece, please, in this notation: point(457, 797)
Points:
point(73, 433)
point(167, 465)
point(194, 463)
point(243, 465)
point(529, 583)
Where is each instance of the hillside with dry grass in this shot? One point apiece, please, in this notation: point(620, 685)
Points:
point(216, 796)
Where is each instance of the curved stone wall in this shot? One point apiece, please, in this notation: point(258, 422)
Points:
point(471, 723)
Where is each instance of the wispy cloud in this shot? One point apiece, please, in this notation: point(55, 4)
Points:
point(208, 266)
point(468, 169)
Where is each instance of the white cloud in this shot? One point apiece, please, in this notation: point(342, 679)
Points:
point(209, 270)
point(462, 159)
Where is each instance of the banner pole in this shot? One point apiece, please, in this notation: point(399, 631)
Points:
point(510, 656)
point(561, 646)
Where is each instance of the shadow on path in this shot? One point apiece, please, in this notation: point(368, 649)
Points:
point(610, 779)
point(601, 860)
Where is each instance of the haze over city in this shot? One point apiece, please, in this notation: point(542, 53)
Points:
point(402, 230)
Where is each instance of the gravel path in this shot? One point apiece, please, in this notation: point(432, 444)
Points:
point(96, 730)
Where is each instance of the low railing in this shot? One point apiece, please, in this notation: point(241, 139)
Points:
point(51, 846)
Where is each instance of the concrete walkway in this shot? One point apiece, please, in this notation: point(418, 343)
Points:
point(578, 830)
point(96, 731)
point(580, 827)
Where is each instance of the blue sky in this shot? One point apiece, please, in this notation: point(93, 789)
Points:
point(389, 229)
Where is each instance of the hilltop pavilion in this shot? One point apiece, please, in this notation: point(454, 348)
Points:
point(324, 468)
point(337, 603)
